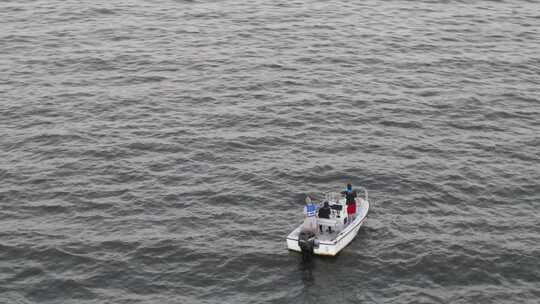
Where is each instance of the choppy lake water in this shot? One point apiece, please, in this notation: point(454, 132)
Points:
point(159, 151)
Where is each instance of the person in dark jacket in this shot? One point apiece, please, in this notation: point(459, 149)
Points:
point(324, 212)
point(350, 195)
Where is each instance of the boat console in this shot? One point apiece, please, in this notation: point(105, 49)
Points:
point(338, 215)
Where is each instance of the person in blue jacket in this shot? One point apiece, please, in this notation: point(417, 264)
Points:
point(310, 213)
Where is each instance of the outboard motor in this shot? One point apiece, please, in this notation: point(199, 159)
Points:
point(307, 242)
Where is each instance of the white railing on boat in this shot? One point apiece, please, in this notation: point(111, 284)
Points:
point(365, 192)
point(332, 196)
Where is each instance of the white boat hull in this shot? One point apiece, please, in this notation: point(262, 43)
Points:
point(333, 244)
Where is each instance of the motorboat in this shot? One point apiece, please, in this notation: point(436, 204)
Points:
point(331, 241)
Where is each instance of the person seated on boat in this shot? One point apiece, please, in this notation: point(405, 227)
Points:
point(350, 195)
point(310, 221)
point(324, 212)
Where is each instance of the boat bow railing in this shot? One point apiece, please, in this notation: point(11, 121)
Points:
point(365, 192)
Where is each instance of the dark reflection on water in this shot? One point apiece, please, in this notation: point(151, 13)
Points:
point(306, 267)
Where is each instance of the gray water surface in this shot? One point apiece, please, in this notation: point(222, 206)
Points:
point(159, 151)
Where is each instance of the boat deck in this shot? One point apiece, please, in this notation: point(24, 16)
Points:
point(325, 236)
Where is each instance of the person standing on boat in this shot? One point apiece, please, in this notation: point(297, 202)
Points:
point(350, 195)
point(310, 212)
